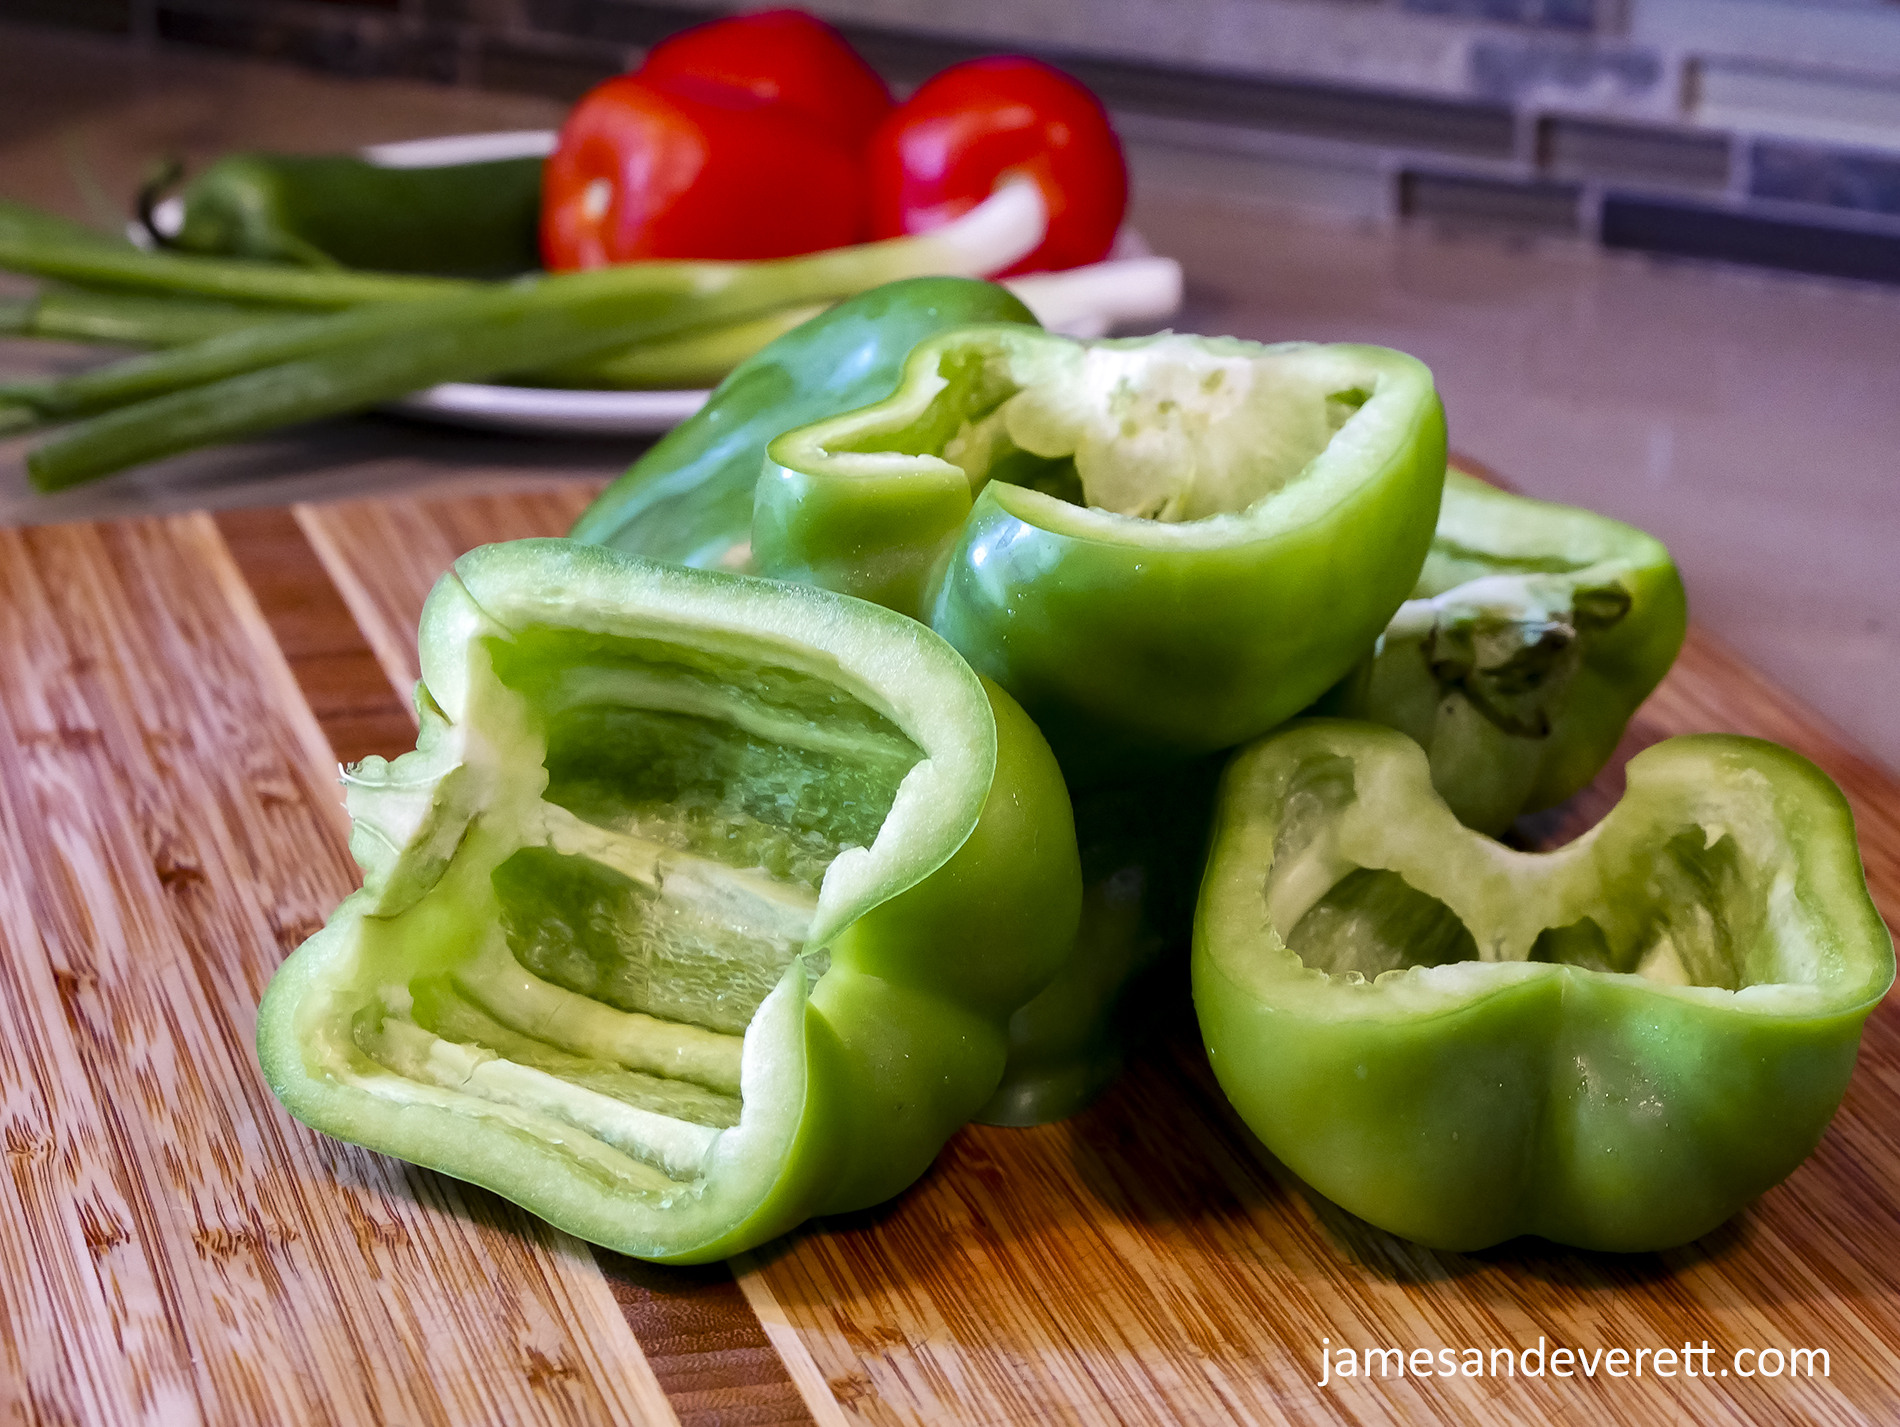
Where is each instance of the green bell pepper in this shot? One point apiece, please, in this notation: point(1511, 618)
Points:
point(689, 499)
point(1614, 1045)
point(701, 907)
point(1533, 634)
point(1161, 546)
point(1141, 841)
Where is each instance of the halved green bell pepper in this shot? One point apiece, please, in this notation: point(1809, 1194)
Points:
point(689, 499)
point(701, 907)
point(1141, 841)
point(1533, 633)
point(1161, 546)
point(1614, 1045)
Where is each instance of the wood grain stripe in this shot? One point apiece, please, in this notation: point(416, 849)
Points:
point(337, 672)
point(819, 1400)
point(716, 1361)
point(706, 1346)
point(384, 556)
point(176, 1248)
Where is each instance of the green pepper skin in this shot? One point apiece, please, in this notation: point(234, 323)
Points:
point(1004, 495)
point(886, 1028)
point(688, 501)
point(478, 220)
point(1141, 842)
point(1615, 1045)
point(1533, 634)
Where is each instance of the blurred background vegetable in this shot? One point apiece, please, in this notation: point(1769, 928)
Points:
point(646, 172)
point(980, 124)
point(339, 210)
point(784, 58)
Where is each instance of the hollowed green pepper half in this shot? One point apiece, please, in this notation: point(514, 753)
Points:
point(1614, 1045)
point(1162, 546)
point(701, 907)
point(1533, 633)
point(689, 499)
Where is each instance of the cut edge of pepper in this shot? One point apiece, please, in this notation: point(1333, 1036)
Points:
point(1361, 451)
point(1264, 965)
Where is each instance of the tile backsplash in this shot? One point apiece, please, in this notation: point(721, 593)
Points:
point(1761, 131)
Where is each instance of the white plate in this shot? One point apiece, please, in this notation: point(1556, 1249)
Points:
point(1132, 286)
point(550, 411)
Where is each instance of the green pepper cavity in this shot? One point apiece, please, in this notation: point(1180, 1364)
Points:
point(1614, 1045)
point(702, 906)
point(1164, 544)
point(1171, 429)
point(1533, 634)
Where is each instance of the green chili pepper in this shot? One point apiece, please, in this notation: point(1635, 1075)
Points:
point(1161, 546)
point(330, 210)
point(689, 499)
point(1615, 1045)
point(1532, 635)
point(49, 246)
point(700, 908)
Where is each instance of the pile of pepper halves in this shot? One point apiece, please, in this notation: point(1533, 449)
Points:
point(708, 903)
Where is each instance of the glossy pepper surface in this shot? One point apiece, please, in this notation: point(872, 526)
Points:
point(689, 499)
point(1533, 633)
point(1141, 840)
point(1614, 1045)
point(330, 210)
point(1161, 546)
point(645, 171)
point(700, 908)
point(990, 121)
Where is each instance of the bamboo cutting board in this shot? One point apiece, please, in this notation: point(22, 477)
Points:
point(174, 694)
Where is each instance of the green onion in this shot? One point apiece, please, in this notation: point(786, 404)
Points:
point(299, 370)
point(130, 320)
point(46, 246)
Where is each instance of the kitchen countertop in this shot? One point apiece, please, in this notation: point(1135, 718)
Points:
point(1745, 417)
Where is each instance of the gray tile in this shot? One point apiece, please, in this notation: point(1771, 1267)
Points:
point(1256, 166)
point(1466, 200)
point(1633, 153)
point(1820, 104)
point(1826, 174)
point(1373, 116)
point(1520, 71)
point(343, 40)
point(1869, 251)
point(1577, 16)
